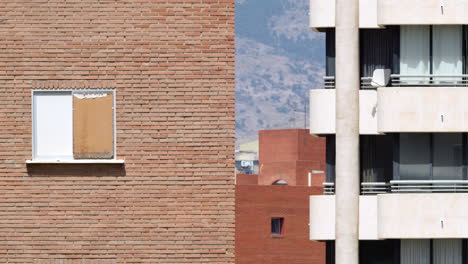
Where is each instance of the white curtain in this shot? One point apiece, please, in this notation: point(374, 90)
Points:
point(447, 51)
point(415, 251)
point(447, 251)
point(414, 51)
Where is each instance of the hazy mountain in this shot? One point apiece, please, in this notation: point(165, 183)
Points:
point(278, 59)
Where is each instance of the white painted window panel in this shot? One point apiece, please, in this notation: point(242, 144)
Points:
point(53, 125)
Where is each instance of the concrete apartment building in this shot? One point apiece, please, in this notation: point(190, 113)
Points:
point(272, 206)
point(406, 63)
point(117, 131)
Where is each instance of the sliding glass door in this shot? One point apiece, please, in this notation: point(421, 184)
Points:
point(422, 251)
point(424, 156)
point(447, 156)
point(447, 251)
point(447, 50)
point(415, 50)
point(431, 50)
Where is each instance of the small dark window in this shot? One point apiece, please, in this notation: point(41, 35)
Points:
point(277, 225)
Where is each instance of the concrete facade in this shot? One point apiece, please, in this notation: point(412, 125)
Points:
point(429, 12)
point(380, 13)
point(171, 64)
point(322, 217)
point(422, 109)
point(324, 14)
point(323, 114)
point(396, 110)
point(396, 216)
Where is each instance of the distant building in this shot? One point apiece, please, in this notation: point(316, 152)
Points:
point(247, 158)
point(272, 206)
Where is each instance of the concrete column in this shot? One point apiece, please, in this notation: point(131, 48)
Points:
point(347, 132)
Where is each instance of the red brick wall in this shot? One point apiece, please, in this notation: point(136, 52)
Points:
point(247, 179)
point(255, 205)
point(289, 155)
point(172, 65)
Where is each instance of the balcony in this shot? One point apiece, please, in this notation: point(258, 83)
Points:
point(396, 216)
point(380, 13)
point(410, 103)
point(322, 14)
point(429, 12)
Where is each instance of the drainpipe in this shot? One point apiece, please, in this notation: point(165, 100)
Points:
point(347, 132)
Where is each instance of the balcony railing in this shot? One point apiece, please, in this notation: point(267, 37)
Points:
point(329, 82)
point(367, 188)
point(429, 80)
point(398, 80)
point(397, 186)
point(429, 186)
point(374, 187)
point(328, 188)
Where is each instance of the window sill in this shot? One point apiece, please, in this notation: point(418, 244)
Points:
point(83, 161)
point(277, 236)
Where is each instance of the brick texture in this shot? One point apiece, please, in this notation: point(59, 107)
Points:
point(289, 155)
point(255, 206)
point(172, 65)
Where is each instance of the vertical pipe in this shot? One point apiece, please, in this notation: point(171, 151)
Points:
point(347, 132)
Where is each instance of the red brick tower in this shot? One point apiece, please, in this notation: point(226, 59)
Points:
point(271, 217)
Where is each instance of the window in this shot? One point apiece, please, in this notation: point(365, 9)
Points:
point(441, 251)
point(277, 225)
point(73, 125)
point(280, 182)
point(436, 50)
point(431, 156)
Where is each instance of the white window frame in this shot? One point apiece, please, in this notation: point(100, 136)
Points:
point(35, 159)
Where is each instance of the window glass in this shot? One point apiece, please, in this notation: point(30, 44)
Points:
point(376, 158)
point(447, 50)
point(448, 156)
point(415, 158)
point(415, 251)
point(414, 50)
point(447, 251)
point(53, 125)
point(277, 225)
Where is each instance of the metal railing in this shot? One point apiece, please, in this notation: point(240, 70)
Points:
point(441, 186)
point(328, 188)
point(329, 82)
point(406, 186)
point(366, 188)
point(399, 80)
point(374, 187)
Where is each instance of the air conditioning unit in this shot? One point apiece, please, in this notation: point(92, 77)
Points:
point(380, 77)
